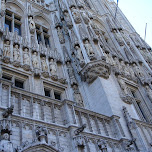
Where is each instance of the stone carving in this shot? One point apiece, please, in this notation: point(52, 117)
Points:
point(68, 20)
point(93, 70)
point(84, 16)
point(79, 55)
point(89, 50)
point(79, 130)
point(92, 34)
point(5, 144)
point(74, 38)
point(128, 145)
point(41, 134)
point(83, 33)
point(76, 15)
point(126, 38)
point(44, 64)
point(31, 25)
point(8, 112)
point(26, 57)
point(77, 96)
point(16, 53)
point(118, 38)
point(60, 35)
point(35, 60)
point(7, 52)
point(53, 69)
point(102, 145)
point(149, 92)
point(123, 86)
point(111, 25)
point(80, 141)
point(71, 74)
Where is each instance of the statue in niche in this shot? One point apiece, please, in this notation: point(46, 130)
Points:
point(84, 15)
point(89, 49)
point(77, 96)
point(60, 35)
point(44, 64)
point(149, 92)
point(16, 53)
point(53, 67)
point(126, 38)
point(31, 24)
point(122, 66)
point(127, 70)
point(5, 144)
point(35, 60)
point(7, 51)
point(26, 57)
point(79, 54)
point(138, 71)
point(68, 19)
point(118, 38)
point(123, 86)
point(76, 15)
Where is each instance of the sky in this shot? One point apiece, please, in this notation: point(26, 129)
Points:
point(139, 12)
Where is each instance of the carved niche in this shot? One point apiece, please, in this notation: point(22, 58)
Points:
point(96, 69)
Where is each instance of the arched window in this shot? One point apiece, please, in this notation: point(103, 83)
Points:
point(42, 31)
point(13, 18)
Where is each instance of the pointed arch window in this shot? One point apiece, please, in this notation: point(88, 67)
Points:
point(13, 22)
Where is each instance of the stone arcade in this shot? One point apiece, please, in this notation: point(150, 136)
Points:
point(73, 78)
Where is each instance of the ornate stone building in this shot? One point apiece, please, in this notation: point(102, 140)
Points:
point(73, 78)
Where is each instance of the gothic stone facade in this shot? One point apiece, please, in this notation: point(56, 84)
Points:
point(73, 78)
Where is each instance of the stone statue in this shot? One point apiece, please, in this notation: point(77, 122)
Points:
point(79, 54)
point(60, 35)
point(16, 53)
point(35, 60)
point(84, 16)
point(5, 144)
point(118, 38)
point(53, 67)
point(26, 57)
point(127, 70)
point(44, 64)
point(77, 96)
point(31, 25)
point(123, 86)
point(89, 49)
point(138, 71)
point(149, 92)
point(41, 134)
point(68, 19)
point(7, 52)
point(126, 38)
point(76, 15)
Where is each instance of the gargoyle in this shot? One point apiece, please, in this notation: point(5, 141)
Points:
point(79, 130)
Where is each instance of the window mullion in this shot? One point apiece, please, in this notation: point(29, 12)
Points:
point(42, 35)
point(13, 22)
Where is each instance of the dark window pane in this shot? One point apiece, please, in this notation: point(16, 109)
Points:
point(17, 28)
point(39, 38)
point(8, 24)
point(47, 93)
point(8, 13)
point(17, 18)
point(19, 84)
point(6, 77)
point(47, 42)
point(57, 95)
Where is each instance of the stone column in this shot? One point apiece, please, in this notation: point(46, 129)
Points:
point(52, 113)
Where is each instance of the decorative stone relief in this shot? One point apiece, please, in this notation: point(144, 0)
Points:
point(118, 38)
point(149, 92)
point(60, 35)
point(84, 15)
point(89, 50)
point(74, 38)
point(79, 56)
point(76, 15)
point(31, 25)
point(77, 96)
point(68, 20)
point(93, 70)
point(126, 38)
point(53, 69)
point(7, 52)
point(16, 55)
point(26, 59)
